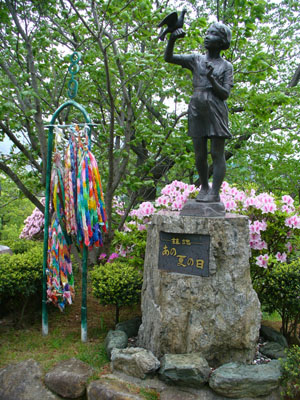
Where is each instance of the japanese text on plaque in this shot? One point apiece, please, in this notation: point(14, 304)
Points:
point(184, 253)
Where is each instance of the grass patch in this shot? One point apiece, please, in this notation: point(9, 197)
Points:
point(60, 344)
point(64, 338)
point(275, 317)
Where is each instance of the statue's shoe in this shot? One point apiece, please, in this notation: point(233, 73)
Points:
point(202, 195)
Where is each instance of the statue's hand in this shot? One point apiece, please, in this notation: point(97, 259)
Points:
point(179, 33)
point(210, 69)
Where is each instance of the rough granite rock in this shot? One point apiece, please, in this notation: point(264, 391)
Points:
point(190, 370)
point(168, 392)
point(218, 315)
point(130, 327)
point(134, 361)
point(236, 380)
point(101, 390)
point(69, 378)
point(23, 381)
point(115, 340)
point(273, 336)
point(273, 350)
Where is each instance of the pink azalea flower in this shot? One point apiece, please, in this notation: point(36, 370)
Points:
point(112, 257)
point(287, 200)
point(287, 209)
point(262, 260)
point(269, 208)
point(250, 201)
point(257, 226)
point(240, 196)
point(289, 246)
point(225, 185)
point(141, 227)
point(293, 222)
point(123, 253)
point(126, 228)
point(262, 245)
point(102, 256)
point(281, 257)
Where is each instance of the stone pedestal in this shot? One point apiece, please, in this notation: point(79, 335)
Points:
point(216, 314)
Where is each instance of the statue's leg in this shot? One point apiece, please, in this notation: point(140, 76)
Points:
point(200, 148)
point(219, 164)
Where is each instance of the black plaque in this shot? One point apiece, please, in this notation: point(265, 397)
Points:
point(184, 253)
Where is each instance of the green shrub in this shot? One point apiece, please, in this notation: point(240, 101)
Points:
point(290, 381)
point(20, 277)
point(20, 246)
point(116, 283)
point(133, 243)
point(279, 290)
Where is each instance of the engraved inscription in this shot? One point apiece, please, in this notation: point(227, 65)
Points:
point(184, 253)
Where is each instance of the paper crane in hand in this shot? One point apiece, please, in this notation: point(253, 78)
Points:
point(173, 23)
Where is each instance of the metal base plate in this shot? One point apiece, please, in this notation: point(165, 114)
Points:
point(198, 209)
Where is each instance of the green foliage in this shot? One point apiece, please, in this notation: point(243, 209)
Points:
point(279, 291)
point(133, 243)
point(14, 208)
point(290, 381)
point(20, 246)
point(116, 283)
point(140, 101)
point(20, 277)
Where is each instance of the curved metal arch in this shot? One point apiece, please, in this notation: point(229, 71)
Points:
point(67, 104)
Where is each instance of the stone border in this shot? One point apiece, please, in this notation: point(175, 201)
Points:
point(232, 380)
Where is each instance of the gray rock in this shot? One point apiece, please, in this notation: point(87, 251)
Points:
point(184, 369)
point(115, 340)
point(273, 350)
point(273, 336)
point(134, 361)
point(101, 390)
point(22, 381)
point(131, 327)
point(5, 250)
point(236, 380)
point(117, 380)
point(218, 315)
point(69, 378)
point(176, 394)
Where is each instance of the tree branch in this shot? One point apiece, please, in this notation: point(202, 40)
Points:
point(21, 186)
point(20, 146)
point(295, 78)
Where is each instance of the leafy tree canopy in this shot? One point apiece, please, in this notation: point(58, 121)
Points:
point(138, 100)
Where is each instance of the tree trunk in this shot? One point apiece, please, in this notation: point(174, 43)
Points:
point(117, 314)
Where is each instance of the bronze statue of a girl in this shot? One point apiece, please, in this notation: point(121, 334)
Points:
point(208, 112)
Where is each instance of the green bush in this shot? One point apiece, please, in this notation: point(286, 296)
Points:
point(116, 283)
point(133, 243)
point(20, 246)
point(20, 277)
point(279, 290)
point(290, 381)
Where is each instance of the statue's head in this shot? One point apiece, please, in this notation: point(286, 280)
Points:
point(223, 32)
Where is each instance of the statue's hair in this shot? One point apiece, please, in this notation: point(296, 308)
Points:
point(225, 34)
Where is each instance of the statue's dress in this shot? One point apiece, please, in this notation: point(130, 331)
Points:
point(207, 113)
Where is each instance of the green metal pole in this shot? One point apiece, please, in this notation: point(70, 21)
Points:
point(84, 295)
point(46, 230)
